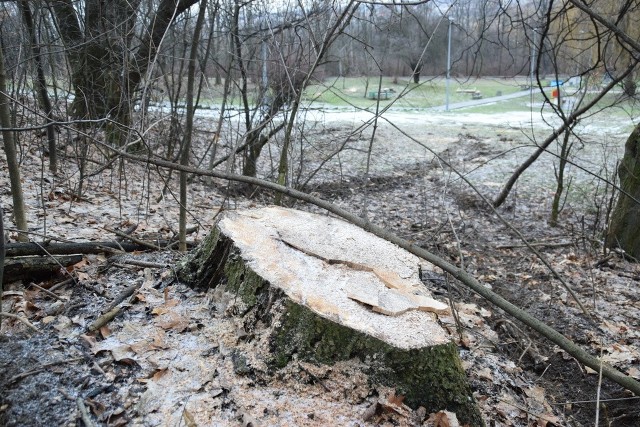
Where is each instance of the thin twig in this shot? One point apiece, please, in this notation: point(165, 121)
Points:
point(46, 291)
point(84, 413)
point(104, 319)
point(539, 416)
point(19, 318)
point(124, 295)
point(42, 368)
point(507, 223)
point(133, 239)
point(575, 402)
point(61, 284)
point(143, 263)
point(597, 421)
point(62, 267)
point(537, 244)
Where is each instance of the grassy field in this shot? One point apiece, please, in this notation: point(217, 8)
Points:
point(431, 92)
point(352, 91)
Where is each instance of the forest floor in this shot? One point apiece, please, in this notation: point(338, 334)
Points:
point(171, 357)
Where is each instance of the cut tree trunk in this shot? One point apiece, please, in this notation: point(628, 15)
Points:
point(624, 230)
point(323, 290)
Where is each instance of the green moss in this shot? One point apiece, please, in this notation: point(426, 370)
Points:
point(241, 280)
point(431, 377)
point(203, 268)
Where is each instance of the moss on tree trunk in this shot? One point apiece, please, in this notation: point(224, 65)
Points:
point(430, 376)
point(624, 230)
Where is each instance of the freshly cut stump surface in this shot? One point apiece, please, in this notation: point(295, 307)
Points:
point(323, 290)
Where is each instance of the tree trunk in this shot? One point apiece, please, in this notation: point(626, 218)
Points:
point(416, 76)
point(565, 151)
point(318, 289)
point(2, 254)
point(624, 230)
point(102, 89)
point(416, 69)
point(19, 214)
point(41, 84)
point(188, 132)
point(629, 85)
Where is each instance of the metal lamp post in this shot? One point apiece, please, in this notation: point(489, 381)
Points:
point(448, 66)
point(533, 59)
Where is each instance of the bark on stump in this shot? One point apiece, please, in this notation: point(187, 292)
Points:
point(323, 290)
point(624, 230)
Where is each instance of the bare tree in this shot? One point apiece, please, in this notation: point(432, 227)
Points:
point(41, 82)
point(19, 214)
point(188, 133)
point(105, 38)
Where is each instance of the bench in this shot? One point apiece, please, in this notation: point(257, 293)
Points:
point(460, 90)
point(383, 94)
point(476, 95)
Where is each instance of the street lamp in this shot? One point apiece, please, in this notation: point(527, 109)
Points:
point(533, 59)
point(448, 66)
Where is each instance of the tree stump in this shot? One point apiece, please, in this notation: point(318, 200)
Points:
point(323, 290)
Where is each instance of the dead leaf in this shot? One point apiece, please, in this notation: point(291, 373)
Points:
point(188, 419)
point(396, 399)
point(440, 419)
point(634, 372)
point(165, 307)
point(98, 408)
point(48, 319)
point(371, 411)
point(485, 373)
point(157, 374)
point(172, 320)
point(393, 404)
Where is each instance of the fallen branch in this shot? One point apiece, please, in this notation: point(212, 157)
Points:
point(84, 413)
point(32, 267)
point(145, 264)
point(128, 231)
point(463, 276)
point(133, 239)
point(46, 291)
point(537, 245)
point(25, 249)
point(124, 295)
point(104, 319)
point(113, 310)
point(61, 284)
